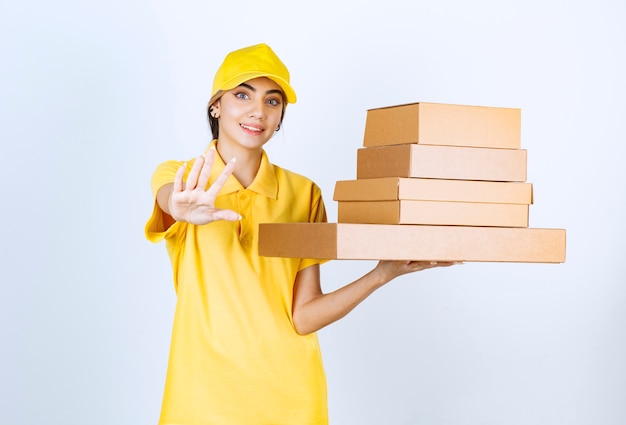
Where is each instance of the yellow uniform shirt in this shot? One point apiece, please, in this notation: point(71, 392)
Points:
point(235, 357)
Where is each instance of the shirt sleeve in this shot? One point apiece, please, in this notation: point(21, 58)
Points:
point(155, 230)
point(317, 215)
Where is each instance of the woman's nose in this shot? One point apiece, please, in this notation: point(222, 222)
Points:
point(257, 110)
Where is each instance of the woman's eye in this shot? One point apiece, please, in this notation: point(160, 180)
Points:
point(273, 102)
point(241, 95)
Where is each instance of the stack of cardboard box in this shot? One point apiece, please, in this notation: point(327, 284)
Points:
point(434, 182)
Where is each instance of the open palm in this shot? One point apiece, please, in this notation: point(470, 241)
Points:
point(191, 201)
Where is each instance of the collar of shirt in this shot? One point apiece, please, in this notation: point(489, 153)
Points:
point(265, 183)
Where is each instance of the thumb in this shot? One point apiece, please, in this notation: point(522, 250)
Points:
point(228, 215)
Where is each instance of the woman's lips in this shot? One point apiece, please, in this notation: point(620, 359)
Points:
point(254, 129)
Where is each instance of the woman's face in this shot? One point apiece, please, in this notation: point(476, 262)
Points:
point(250, 114)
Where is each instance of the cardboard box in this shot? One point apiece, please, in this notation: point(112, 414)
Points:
point(442, 162)
point(411, 242)
point(442, 124)
point(434, 213)
point(396, 188)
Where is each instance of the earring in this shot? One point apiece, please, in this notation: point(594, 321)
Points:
point(278, 128)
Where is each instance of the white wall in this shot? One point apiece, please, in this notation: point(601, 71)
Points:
point(95, 94)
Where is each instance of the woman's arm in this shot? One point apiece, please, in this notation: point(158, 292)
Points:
point(313, 310)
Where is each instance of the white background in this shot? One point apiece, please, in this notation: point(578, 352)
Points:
point(95, 94)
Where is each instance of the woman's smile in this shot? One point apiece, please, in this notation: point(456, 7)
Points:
point(252, 129)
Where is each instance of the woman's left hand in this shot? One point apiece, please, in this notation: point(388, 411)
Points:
point(392, 269)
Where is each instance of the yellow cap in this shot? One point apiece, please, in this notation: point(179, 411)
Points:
point(251, 62)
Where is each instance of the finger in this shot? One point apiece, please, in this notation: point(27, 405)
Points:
point(228, 215)
point(192, 178)
point(433, 264)
point(205, 171)
point(178, 178)
point(221, 179)
point(425, 265)
point(446, 263)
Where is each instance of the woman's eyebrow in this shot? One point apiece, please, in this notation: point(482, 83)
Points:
point(249, 87)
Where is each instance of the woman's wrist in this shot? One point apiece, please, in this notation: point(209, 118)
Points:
point(380, 275)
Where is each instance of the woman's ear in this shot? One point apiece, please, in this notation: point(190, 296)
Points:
point(214, 110)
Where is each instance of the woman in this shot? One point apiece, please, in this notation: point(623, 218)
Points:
point(244, 348)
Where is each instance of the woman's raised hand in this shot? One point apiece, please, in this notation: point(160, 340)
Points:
point(191, 202)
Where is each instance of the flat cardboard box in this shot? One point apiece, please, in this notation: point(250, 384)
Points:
point(444, 124)
point(433, 213)
point(397, 188)
point(442, 162)
point(411, 242)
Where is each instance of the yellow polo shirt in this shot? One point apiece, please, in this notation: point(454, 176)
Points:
point(235, 357)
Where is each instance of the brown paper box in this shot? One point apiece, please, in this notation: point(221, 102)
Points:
point(411, 242)
point(396, 188)
point(442, 162)
point(433, 212)
point(443, 124)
